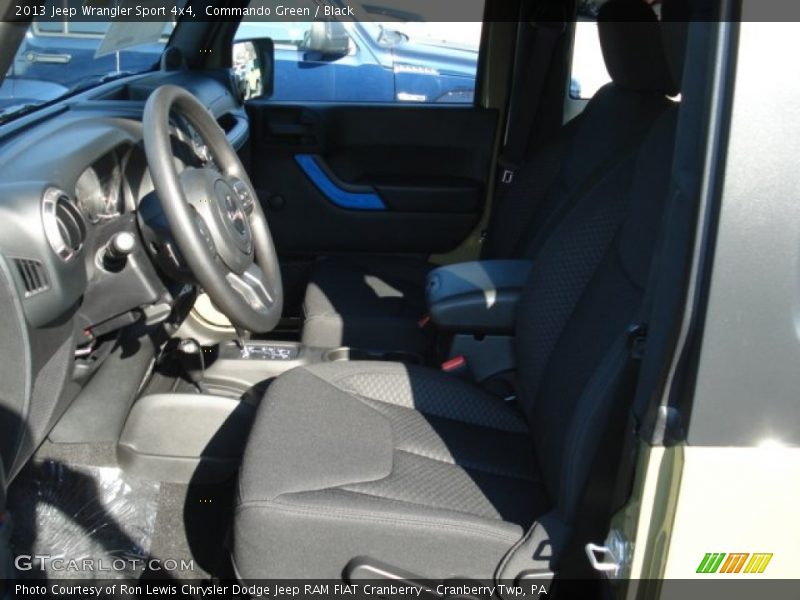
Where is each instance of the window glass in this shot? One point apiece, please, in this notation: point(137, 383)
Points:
point(589, 72)
point(97, 28)
point(369, 61)
point(60, 57)
point(48, 27)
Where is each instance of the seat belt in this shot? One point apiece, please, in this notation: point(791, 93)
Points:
point(534, 39)
point(637, 340)
point(533, 58)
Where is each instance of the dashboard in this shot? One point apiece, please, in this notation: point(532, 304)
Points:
point(76, 309)
point(73, 178)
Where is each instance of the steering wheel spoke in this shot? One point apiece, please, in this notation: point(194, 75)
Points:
point(205, 234)
point(251, 287)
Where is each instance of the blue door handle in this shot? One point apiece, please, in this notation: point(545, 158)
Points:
point(366, 199)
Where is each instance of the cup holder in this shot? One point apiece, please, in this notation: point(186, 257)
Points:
point(346, 353)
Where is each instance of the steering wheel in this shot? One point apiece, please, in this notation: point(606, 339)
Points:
point(217, 223)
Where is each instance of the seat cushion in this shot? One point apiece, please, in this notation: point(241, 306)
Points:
point(363, 302)
point(402, 464)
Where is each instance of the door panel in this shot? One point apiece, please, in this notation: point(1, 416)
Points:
point(366, 178)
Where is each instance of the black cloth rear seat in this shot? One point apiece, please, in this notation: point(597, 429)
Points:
point(375, 302)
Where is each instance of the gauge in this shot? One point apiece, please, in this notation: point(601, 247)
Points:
point(98, 189)
point(89, 193)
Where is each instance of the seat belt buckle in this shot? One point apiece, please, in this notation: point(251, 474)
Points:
point(507, 176)
point(457, 366)
point(423, 321)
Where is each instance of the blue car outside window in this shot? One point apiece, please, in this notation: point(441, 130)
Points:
point(372, 62)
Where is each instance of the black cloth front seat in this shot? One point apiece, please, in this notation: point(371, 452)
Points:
point(417, 469)
point(376, 301)
point(367, 302)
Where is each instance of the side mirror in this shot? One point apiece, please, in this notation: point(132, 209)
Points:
point(328, 38)
point(253, 64)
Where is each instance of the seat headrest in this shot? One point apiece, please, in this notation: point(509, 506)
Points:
point(633, 49)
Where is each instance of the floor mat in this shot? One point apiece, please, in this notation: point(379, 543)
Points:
point(192, 523)
point(78, 515)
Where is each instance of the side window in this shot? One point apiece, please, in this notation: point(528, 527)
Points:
point(589, 72)
point(368, 61)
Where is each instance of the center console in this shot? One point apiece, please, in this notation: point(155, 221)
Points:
point(477, 297)
point(245, 366)
point(250, 364)
point(184, 438)
point(476, 303)
point(198, 435)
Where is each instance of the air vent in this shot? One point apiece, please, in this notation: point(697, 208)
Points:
point(63, 224)
point(227, 122)
point(33, 274)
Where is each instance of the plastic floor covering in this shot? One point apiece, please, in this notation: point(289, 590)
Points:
point(82, 515)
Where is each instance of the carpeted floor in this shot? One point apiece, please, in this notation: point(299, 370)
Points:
point(94, 455)
point(192, 523)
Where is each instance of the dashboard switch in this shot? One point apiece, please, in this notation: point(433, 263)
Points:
point(117, 249)
point(121, 245)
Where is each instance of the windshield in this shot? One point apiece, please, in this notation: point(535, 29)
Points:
point(60, 57)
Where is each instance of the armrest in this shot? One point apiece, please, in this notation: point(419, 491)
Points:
point(477, 297)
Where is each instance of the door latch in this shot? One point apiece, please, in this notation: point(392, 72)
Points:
point(607, 563)
point(613, 557)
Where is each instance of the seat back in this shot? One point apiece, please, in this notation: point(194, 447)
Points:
point(613, 122)
point(584, 293)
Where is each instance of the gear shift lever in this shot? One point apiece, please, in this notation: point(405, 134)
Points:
point(241, 341)
point(190, 356)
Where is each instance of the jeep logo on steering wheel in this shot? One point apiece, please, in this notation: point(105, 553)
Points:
point(235, 214)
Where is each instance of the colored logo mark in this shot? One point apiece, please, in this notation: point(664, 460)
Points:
point(737, 562)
